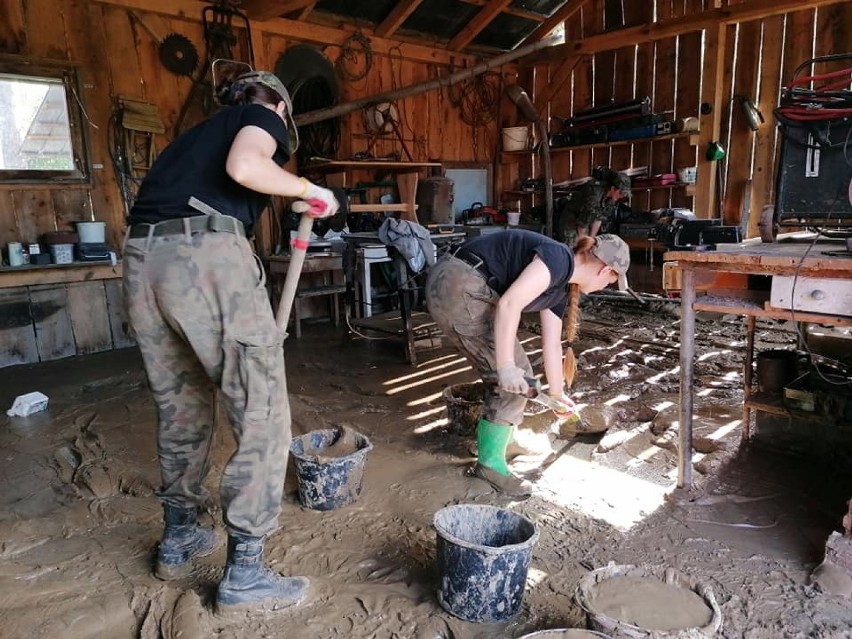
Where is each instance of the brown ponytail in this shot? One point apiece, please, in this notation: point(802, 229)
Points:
point(232, 90)
point(571, 321)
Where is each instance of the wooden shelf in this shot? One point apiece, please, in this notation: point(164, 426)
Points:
point(735, 306)
point(600, 145)
point(774, 404)
point(339, 166)
point(690, 189)
point(14, 276)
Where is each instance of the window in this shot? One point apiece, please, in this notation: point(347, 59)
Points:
point(41, 134)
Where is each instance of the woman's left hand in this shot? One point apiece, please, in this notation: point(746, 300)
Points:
point(569, 407)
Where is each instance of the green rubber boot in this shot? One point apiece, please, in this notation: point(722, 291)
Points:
point(491, 442)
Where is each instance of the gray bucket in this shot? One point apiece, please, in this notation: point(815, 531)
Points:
point(776, 369)
point(484, 554)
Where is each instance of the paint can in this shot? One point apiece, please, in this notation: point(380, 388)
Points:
point(16, 253)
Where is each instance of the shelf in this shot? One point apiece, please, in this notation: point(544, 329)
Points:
point(322, 165)
point(736, 306)
point(690, 189)
point(600, 145)
point(33, 275)
point(774, 404)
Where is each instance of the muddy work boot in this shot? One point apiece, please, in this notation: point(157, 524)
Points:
point(248, 586)
point(510, 485)
point(182, 542)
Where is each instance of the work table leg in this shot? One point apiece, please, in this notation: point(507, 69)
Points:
point(687, 360)
point(747, 376)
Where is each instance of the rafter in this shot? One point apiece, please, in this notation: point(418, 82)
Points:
point(731, 14)
point(479, 22)
point(512, 11)
point(559, 16)
point(307, 11)
point(396, 17)
point(267, 9)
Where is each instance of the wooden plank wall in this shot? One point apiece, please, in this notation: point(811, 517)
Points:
point(119, 58)
point(760, 58)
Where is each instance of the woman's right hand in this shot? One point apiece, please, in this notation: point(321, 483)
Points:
point(511, 379)
point(322, 201)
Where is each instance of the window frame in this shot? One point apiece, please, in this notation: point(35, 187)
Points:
point(69, 74)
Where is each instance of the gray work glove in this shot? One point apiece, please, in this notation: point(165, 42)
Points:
point(322, 201)
point(510, 378)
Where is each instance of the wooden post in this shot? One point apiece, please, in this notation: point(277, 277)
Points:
point(687, 359)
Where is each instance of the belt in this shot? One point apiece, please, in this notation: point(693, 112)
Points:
point(474, 261)
point(199, 223)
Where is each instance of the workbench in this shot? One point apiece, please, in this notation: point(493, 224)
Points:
point(822, 259)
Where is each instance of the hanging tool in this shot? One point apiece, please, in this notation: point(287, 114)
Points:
point(177, 53)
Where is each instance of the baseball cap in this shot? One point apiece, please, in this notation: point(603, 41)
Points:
point(614, 252)
point(270, 80)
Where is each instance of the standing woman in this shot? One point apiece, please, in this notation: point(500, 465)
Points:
point(198, 304)
point(476, 297)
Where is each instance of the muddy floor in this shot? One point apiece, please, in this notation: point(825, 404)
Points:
point(79, 522)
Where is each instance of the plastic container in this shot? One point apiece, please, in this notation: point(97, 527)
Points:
point(483, 557)
point(688, 174)
point(513, 217)
point(516, 138)
point(62, 253)
point(28, 404)
point(91, 232)
point(464, 407)
point(327, 481)
point(619, 629)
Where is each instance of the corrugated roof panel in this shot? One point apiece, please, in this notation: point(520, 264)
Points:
point(505, 32)
point(443, 18)
point(544, 7)
point(371, 10)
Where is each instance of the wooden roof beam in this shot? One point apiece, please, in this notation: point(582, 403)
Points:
point(396, 17)
point(267, 9)
point(479, 22)
point(732, 14)
point(301, 31)
point(559, 16)
point(512, 11)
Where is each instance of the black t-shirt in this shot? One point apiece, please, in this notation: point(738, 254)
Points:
point(194, 165)
point(507, 253)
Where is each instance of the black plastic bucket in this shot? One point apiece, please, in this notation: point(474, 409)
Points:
point(775, 369)
point(327, 481)
point(484, 554)
point(464, 407)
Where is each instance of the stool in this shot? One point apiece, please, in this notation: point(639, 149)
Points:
point(334, 290)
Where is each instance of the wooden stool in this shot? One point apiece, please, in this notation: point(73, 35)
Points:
point(334, 290)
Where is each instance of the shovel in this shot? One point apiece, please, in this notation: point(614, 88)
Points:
point(535, 394)
point(297, 259)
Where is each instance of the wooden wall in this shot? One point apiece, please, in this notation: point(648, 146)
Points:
point(758, 58)
point(119, 58)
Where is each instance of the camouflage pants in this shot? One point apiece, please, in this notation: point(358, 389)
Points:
point(200, 311)
point(462, 305)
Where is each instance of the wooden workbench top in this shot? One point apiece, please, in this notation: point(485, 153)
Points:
point(780, 258)
point(332, 166)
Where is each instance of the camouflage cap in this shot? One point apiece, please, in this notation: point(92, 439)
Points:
point(621, 181)
point(270, 80)
point(614, 252)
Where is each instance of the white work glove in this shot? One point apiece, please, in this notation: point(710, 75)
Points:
point(510, 378)
point(568, 406)
point(321, 200)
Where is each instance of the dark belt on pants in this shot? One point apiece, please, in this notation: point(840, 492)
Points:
point(475, 261)
point(202, 223)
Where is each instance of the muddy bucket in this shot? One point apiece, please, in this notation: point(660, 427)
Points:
point(636, 602)
point(484, 553)
point(775, 369)
point(464, 407)
point(330, 467)
point(567, 633)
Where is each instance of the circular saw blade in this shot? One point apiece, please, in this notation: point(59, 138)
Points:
point(178, 54)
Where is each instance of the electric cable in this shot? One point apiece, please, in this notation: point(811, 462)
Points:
point(353, 49)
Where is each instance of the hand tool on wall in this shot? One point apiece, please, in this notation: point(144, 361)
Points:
point(177, 53)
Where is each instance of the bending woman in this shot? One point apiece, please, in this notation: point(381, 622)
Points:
point(476, 296)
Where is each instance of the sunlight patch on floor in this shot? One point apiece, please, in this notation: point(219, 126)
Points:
point(427, 380)
point(603, 493)
point(425, 428)
point(425, 371)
